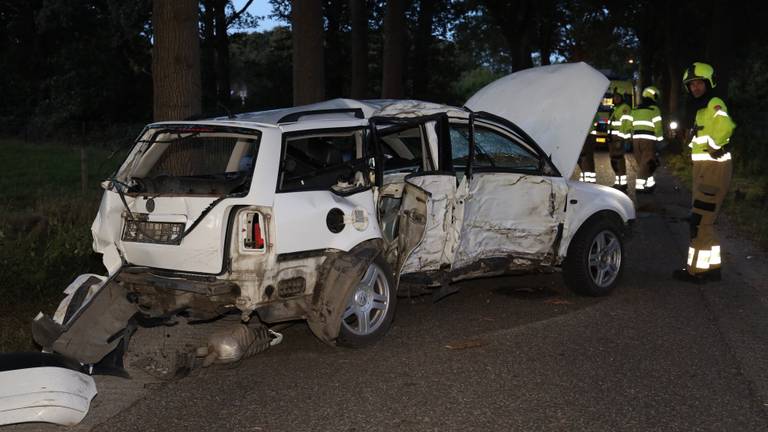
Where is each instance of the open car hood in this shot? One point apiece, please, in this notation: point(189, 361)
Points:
point(554, 104)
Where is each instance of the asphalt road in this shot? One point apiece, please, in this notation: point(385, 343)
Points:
point(516, 353)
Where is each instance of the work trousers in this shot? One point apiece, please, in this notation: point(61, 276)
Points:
point(587, 161)
point(711, 180)
point(619, 165)
point(645, 155)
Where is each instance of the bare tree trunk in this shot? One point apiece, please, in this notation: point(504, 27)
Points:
point(392, 82)
point(175, 59)
point(208, 55)
point(422, 47)
point(359, 49)
point(222, 53)
point(308, 58)
point(334, 86)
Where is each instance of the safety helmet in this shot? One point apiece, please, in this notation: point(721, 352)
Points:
point(699, 71)
point(652, 93)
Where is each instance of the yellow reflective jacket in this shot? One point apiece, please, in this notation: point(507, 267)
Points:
point(620, 123)
point(646, 123)
point(713, 129)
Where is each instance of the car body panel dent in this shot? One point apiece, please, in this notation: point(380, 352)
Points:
point(510, 215)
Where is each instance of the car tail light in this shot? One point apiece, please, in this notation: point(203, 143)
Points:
point(252, 231)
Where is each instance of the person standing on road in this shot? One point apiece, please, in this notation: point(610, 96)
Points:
point(620, 126)
point(647, 130)
point(587, 156)
point(712, 167)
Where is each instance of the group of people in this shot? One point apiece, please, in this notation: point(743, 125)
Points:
point(643, 127)
point(708, 137)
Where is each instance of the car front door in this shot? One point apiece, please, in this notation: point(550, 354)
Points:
point(515, 201)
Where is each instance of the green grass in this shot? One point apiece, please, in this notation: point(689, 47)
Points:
point(747, 200)
point(45, 239)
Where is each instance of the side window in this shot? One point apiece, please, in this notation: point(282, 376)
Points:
point(321, 161)
point(404, 151)
point(492, 150)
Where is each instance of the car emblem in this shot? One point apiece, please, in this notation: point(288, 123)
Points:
point(150, 204)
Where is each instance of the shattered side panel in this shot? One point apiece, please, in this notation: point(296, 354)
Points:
point(337, 278)
point(513, 216)
point(434, 251)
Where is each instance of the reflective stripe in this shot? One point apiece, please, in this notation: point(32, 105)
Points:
point(691, 253)
point(721, 113)
point(650, 182)
point(715, 258)
point(656, 119)
point(702, 261)
point(626, 117)
point(642, 123)
point(644, 136)
point(593, 133)
point(707, 157)
point(620, 134)
point(640, 184)
point(661, 138)
point(706, 139)
point(616, 123)
point(621, 180)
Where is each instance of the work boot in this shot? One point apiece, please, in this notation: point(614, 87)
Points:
point(622, 188)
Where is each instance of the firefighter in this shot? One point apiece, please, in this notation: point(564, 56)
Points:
point(620, 126)
point(712, 168)
point(587, 156)
point(647, 130)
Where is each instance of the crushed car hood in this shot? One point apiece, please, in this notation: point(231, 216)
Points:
point(554, 104)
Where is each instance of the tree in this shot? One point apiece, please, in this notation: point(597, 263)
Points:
point(308, 58)
point(393, 79)
point(359, 48)
point(176, 60)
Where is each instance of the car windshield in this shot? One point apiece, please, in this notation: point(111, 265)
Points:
point(195, 161)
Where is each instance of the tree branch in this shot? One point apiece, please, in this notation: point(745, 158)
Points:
point(232, 18)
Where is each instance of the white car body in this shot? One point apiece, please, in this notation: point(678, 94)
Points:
point(438, 221)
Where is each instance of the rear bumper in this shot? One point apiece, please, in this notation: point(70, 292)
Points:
point(38, 387)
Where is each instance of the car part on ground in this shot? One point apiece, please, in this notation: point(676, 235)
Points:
point(40, 387)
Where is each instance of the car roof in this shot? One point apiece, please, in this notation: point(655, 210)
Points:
point(337, 111)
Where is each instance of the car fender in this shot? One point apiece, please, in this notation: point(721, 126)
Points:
point(586, 200)
point(337, 278)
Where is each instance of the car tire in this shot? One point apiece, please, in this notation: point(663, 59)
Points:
point(370, 308)
point(594, 264)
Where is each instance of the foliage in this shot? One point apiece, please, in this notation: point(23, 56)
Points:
point(45, 239)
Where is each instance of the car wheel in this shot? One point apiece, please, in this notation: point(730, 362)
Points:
point(371, 307)
point(593, 266)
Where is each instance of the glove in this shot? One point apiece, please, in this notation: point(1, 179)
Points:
point(717, 154)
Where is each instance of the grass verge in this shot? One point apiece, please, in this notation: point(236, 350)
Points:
point(45, 220)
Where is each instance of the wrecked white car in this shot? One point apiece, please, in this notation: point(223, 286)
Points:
point(325, 212)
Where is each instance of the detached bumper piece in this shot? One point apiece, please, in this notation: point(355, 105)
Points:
point(40, 387)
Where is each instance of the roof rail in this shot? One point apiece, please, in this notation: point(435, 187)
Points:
point(293, 117)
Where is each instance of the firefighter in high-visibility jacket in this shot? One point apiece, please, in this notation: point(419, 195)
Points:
point(712, 167)
point(620, 126)
point(647, 130)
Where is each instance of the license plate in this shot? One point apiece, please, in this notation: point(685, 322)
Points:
point(600, 140)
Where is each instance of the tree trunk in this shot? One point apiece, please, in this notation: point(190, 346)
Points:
point(422, 48)
point(392, 82)
point(175, 59)
point(208, 55)
point(222, 54)
point(334, 50)
point(359, 49)
point(308, 58)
